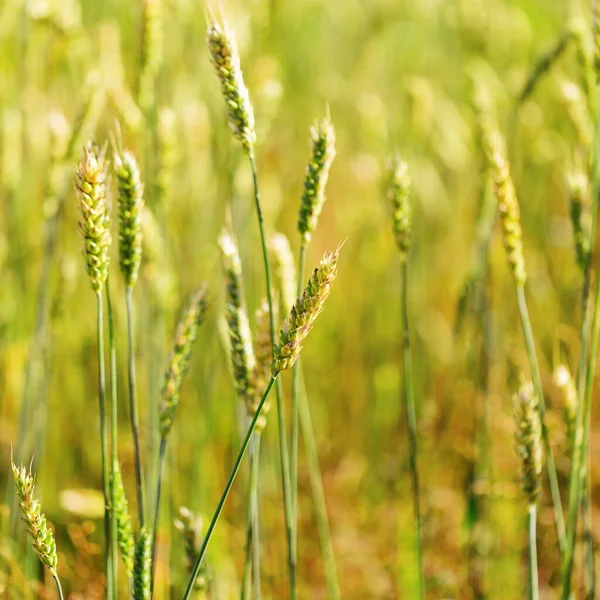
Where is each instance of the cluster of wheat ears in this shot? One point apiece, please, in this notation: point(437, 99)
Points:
point(257, 358)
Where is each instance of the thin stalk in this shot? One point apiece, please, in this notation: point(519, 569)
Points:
point(59, 587)
point(113, 437)
point(252, 549)
point(320, 506)
point(588, 537)
point(247, 579)
point(255, 466)
point(582, 422)
point(236, 467)
point(409, 405)
point(295, 417)
point(533, 567)
point(133, 408)
point(537, 384)
point(283, 451)
point(162, 454)
point(104, 445)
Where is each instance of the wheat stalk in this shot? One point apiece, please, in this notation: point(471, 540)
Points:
point(509, 215)
point(90, 183)
point(397, 191)
point(528, 442)
point(299, 323)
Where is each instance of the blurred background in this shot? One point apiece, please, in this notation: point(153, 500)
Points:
point(396, 75)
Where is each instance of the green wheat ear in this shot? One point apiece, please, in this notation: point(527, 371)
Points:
point(90, 183)
point(317, 175)
point(397, 190)
point(241, 351)
point(131, 204)
point(42, 536)
point(187, 331)
point(125, 539)
point(528, 441)
point(304, 312)
point(142, 566)
point(226, 62)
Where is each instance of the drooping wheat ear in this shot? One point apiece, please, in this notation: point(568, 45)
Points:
point(190, 526)
point(578, 199)
point(304, 312)
point(187, 331)
point(131, 204)
point(528, 438)
point(240, 338)
point(317, 173)
point(577, 110)
point(568, 395)
point(508, 206)
point(167, 151)
point(397, 190)
point(125, 538)
point(152, 49)
point(43, 538)
point(263, 352)
point(90, 182)
point(226, 62)
point(142, 566)
point(285, 269)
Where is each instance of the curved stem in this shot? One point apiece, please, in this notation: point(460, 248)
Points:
point(409, 406)
point(537, 384)
point(59, 587)
point(533, 567)
point(295, 417)
point(283, 451)
point(104, 444)
point(133, 407)
point(162, 453)
point(236, 467)
point(113, 437)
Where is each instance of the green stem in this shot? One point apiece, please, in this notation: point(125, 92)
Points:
point(252, 550)
point(533, 567)
point(133, 407)
point(537, 384)
point(59, 587)
point(320, 506)
point(409, 405)
point(236, 467)
point(283, 451)
point(104, 445)
point(255, 467)
point(113, 437)
point(295, 418)
point(162, 454)
point(588, 536)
